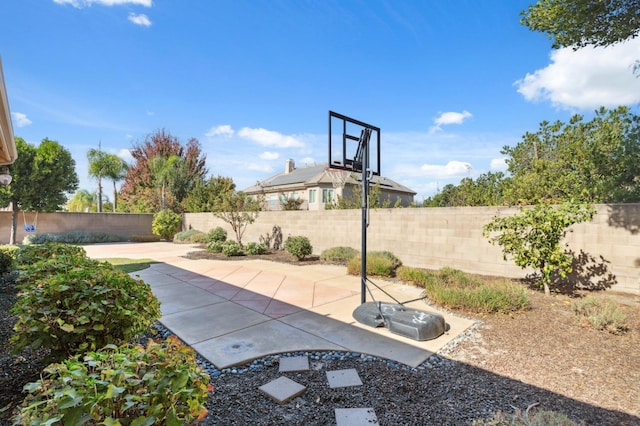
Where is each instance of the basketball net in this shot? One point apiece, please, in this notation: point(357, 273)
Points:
point(338, 177)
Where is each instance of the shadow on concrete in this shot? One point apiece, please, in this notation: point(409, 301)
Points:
point(589, 273)
point(625, 216)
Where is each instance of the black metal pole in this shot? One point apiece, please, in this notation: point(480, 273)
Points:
point(365, 205)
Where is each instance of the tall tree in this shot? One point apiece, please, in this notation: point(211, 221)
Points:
point(42, 178)
point(163, 173)
point(97, 169)
point(116, 169)
point(579, 23)
point(596, 161)
point(83, 201)
point(138, 192)
point(205, 195)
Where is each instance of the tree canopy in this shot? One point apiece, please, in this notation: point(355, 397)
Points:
point(579, 23)
point(139, 190)
point(43, 176)
point(206, 195)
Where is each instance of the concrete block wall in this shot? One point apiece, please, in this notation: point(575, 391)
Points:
point(438, 237)
point(122, 224)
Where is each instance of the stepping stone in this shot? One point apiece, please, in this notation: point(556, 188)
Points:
point(282, 390)
point(294, 363)
point(343, 378)
point(356, 417)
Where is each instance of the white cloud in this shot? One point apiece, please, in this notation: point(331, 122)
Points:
point(266, 137)
point(20, 119)
point(259, 167)
point(125, 154)
point(268, 155)
point(499, 164)
point(438, 171)
point(84, 3)
point(224, 130)
point(141, 19)
point(586, 78)
point(447, 118)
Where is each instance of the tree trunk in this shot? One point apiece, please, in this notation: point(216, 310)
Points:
point(14, 214)
point(99, 194)
point(115, 197)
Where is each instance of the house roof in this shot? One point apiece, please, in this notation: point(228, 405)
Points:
point(315, 175)
point(8, 151)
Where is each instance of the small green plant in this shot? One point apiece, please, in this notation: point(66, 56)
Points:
point(231, 248)
point(217, 234)
point(8, 255)
point(339, 255)
point(159, 384)
point(166, 224)
point(70, 304)
point(72, 237)
point(298, 246)
point(379, 264)
point(601, 314)
point(28, 255)
point(256, 248)
point(454, 289)
point(532, 237)
point(215, 246)
point(191, 236)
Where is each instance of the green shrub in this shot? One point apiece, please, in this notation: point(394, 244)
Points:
point(28, 255)
point(256, 248)
point(298, 246)
point(191, 236)
point(340, 255)
point(379, 264)
point(148, 238)
point(8, 256)
point(159, 384)
point(73, 237)
point(215, 246)
point(166, 224)
point(217, 234)
point(454, 289)
point(71, 304)
point(601, 314)
point(231, 248)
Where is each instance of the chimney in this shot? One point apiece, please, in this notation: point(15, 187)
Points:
point(289, 166)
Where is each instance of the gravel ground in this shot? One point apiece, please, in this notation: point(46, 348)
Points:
point(502, 364)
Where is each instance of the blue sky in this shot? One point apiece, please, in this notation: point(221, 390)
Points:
point(449, 82)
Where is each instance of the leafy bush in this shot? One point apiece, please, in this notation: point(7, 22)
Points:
point(601, 314)
point(148, 238)
point(159, 384)
point(8, 255)
point(298, 246)
point(217, 234)
point(28, 255)
point(215, 246)
point(73, 237)
point(379, 264)
point(191, 236)
point(256, 248)
point(454, 289)
point(70, 304)
point(166, 224)
point(340, 255)
point(232, 248)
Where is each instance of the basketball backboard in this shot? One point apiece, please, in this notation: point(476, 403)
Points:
point(349, 141)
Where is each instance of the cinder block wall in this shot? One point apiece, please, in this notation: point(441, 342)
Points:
point(438, 237)
point(122, 224)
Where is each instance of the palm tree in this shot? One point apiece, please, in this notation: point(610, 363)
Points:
point(82, 201)
point(98, 166)
point(116, 169)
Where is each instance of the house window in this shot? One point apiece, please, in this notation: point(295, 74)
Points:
point(273, 202)
point(312, 196)
point(327, 196)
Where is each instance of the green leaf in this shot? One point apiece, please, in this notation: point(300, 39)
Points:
point(143, 421)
